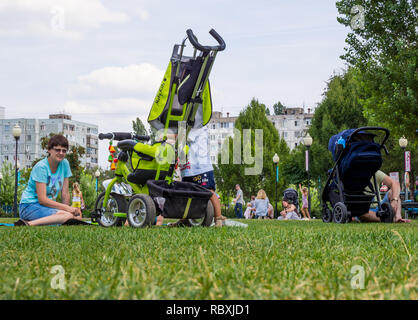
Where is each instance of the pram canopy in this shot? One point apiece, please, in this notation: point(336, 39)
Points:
point(359, 160)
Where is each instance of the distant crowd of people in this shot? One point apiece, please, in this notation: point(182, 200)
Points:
point(260, 207)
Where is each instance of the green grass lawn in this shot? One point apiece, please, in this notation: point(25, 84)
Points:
point(267, 260)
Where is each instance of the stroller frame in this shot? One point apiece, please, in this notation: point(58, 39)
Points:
point(344, 200)
point(141, 209)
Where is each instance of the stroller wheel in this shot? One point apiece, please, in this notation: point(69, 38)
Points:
point(388, 213)
point(340, 213)
point(326, 215)
point(206, 221)
point(141, 211)
point(115, 204)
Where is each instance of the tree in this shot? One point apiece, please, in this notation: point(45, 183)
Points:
point(227, 175)
point(383, 50)
point(339, 109)
point(139, 127)
point(7, 186)
point(278, 108)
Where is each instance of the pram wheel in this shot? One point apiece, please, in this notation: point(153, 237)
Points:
point(206, 221)
point(388, 213)
point(340, 213)
point(326, 215)
point(141, 211)
point(106, 217)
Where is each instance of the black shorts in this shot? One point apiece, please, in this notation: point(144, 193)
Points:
point(206, 180)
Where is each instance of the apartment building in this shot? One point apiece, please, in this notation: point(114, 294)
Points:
point(292, 126)
point(29, 146)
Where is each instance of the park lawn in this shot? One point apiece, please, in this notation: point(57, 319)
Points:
point(268, 260)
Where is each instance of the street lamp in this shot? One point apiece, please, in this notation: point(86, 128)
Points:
point(16, 131)
point(403, 142)
point(97, 174)
point(307, 141)
point(276, 160)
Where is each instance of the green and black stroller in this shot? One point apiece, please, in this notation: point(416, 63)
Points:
point(184, 92)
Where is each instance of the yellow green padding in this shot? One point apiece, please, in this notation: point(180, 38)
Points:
point(186, 211)
point(162, 96)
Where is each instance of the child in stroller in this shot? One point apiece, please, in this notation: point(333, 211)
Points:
point(351, 187)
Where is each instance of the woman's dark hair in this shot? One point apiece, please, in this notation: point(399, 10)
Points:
point(58, 140)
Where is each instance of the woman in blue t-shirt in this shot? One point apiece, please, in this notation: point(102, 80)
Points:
point(48, 178)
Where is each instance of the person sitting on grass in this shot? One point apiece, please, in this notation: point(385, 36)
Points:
point(261, 205)
point(48, 178)
point(289, 211)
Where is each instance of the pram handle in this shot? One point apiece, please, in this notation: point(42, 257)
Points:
point(193, 40)
point(382, 145)
point(122, 136)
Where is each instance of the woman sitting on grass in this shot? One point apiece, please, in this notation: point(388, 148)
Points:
point(261, 205)
point(48, 178)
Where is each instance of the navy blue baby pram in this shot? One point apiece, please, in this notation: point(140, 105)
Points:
point(357, 158)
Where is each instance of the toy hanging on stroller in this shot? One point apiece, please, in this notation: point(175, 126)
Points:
point(357, 159)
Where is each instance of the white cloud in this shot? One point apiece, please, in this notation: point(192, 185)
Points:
point(111, 115)
point(142, 13)
point(52, 18)
point(135, 79)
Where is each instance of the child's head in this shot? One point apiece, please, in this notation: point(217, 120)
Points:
point(249, 204)
point(305, 190)
point(76, 187)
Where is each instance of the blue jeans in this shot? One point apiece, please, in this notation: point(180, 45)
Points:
point(33, 211)
point(238, 210)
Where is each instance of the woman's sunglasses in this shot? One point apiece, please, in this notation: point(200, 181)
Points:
point(59, 150)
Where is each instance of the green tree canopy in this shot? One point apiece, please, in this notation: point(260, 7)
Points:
point(382, 47)
point(278, 108)
point(138, 127)
point(227, 175)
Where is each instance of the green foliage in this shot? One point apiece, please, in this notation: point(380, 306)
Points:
point(7, 185)
point(384, 53)
point(278, 108)
point(339, 109)
point(139, 127)
point(227, 175)
point(88, 188)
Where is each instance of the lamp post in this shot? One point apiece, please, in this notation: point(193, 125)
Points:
point(97, 174)
point(403, 142)
point(276, 160)
point(16, 131)
point(307, 141)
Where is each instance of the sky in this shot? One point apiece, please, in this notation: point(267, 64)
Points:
point(102, 61)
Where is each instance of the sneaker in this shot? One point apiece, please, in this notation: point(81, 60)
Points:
point(20, 223)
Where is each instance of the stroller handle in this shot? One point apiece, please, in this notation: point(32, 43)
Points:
point(197, 45)
point(382, 145)
point(122, 136)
